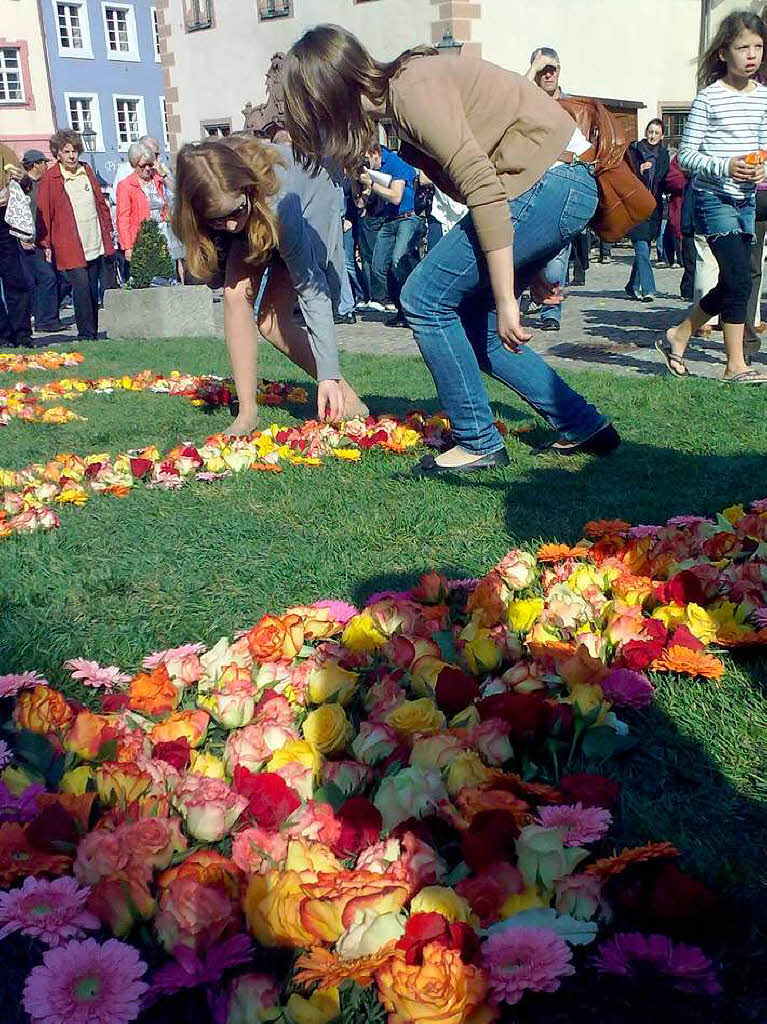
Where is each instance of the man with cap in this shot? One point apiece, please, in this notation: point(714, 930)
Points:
point(40, 273)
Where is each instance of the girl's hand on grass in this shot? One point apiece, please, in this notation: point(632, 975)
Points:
point(331, 403)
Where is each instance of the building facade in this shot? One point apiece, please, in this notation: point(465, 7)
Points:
point(641, 57)
point(26, 108)
point(105, 73)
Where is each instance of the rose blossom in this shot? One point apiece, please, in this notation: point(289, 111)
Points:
point(256, 850)
point(491, 739)
point(209, 806)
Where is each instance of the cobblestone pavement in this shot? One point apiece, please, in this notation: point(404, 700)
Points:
point(601, 328)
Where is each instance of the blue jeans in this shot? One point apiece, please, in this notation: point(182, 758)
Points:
point(449, 304)
point(395, 256)
point(642, 280)
point(717, 214)
point(43, 281)
point(555, 273)
point(351, 265)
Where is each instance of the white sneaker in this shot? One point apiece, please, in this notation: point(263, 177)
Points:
point(362, 305)
point(377, 307)
point(390, 307)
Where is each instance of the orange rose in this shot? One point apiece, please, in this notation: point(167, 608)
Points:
point(272, 637)
point(153, 693)
point(332, 902)
point(199, 901)
point(443, 990)
point(42, 710)
point(88, 734)
point(121, 782)
point(191, 725)
point(318, 622)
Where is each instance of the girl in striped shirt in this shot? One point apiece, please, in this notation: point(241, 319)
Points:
point(727, 124)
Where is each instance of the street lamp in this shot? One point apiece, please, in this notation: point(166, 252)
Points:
point(89, 141)
point(449, 46)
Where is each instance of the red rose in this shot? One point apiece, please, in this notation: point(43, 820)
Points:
point(721, 544)
point(54, 829)
point(682, 637)
point(679, 902)
point(422, 929)
point(488, 839)
point(640, 653)
point(590, 790)
point(113, 702)
point(271, 798)
point(455, 690)
point(487, 892)
point(173, 752)
point(361, 825)
point(140, 467)
point(528, 715)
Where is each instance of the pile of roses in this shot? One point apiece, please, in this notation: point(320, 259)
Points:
point(385, 797)
point(24, 401)
point(28, 496)
point(19, 362)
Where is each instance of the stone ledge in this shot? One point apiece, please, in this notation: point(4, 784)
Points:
point(148, 313)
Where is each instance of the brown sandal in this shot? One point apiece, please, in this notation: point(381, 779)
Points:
point(676, 365)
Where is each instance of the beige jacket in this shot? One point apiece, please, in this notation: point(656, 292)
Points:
point(482, 134)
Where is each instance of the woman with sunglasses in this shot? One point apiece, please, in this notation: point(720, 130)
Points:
point(255, 222)
point(491, 139)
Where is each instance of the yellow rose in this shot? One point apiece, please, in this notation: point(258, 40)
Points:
point(296, 752)
point(76, 780)
point(330, 680)
point(586, 696)
point(328, 728)
point(671, 615)
point(203, 763)
point(438, 899)
point(526, 900)
point(734, 513)
point(414, 716)
point(435, 751)
point(466, 769)
point(424, 673)
point(585, 576)
point(17, 780)
point(465, 719)
point(369, 932)
point(361, 634)
point(480, 652)
point(322, 1006)
point(315, 857)
point(523, 613)
point(702, 624)
point(272, 908)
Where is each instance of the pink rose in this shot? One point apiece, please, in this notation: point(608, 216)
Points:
point(257, 850)
point(379, 857)
point(349, 776)
point(99, 854)
point(517, 569)
point(315, 823)
point(382, 697)
point(252, 746)
point(374, 742)
point(298, 778)
point(274, 675)
point(423, 865)
point(274, 709)
point(185, 669)
point(209, 806)
point(153, 841)
point(491, 740)
point(192, 914)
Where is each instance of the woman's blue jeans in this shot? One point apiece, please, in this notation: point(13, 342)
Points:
point(642, 280)
point(449, 304)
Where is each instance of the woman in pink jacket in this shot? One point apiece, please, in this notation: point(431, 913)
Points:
point(141, 196)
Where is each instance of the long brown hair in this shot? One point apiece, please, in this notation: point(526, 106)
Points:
point(326, 74)
point(711, 66)
point(210, 177)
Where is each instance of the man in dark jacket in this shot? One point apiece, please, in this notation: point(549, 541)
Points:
point(16, 300)
point(41, 274)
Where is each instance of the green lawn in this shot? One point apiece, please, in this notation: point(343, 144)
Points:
point(124, 577)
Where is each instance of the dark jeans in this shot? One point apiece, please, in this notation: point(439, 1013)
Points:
point(351, 264)
point(15, 310)
point(687, 284)
point(753, 313)
point(395, 257)
point(729, 297)
point(85, 296)
point(368, 236)
point(433, 232)
point(43, 280)
point(580, 252)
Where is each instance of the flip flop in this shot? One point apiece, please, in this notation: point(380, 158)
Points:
point(672, 361)
point(747, 377)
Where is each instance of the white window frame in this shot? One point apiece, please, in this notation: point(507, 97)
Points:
point(93, 99)
point(164, 124)
point(155, 33)
point(123, 146)
point(132, 54)
point(20, 71)
point(84, 52)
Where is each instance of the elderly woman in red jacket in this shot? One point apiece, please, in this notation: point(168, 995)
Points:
point(141, 196)
point(74, 227)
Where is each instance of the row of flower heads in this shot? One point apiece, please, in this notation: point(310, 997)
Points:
point(362, 790)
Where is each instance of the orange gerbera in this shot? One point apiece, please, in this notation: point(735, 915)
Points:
point(537, 792)
point(618, 863)
point(597, 528)
point(690, 663)
point(18, 859)
point(472, 800)
point(559, 552)
point(327, 970)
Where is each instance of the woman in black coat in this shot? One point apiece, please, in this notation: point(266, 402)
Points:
point(650, 160)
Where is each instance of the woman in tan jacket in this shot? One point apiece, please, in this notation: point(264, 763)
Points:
point(491, 139)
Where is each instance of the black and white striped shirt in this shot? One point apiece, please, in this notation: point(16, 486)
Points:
point(722, 124)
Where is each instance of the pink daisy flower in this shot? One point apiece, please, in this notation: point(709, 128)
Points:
point(90, 673)
point(759, 506)
point(51, 911)
point(22, 807)
point(340, 610)
point(760, 617)
point(6, 755)
point(160, 657)
point(12, 683)
point(685, 967)
point(637, 532)
point(627, 689)
point(86, 983)
point(687, 521)
point(583, 824)
point(525, 959)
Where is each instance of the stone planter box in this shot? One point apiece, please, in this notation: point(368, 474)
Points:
point(174, 312)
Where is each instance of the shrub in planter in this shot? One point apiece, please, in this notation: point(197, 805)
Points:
point(150, 257)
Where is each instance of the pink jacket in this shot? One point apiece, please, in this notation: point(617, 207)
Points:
point(133, 208)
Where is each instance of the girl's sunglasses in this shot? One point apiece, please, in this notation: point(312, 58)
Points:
point(233, 214)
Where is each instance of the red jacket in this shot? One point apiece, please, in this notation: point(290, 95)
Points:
point(133, 208)
point(56, 224)
point(676, 183)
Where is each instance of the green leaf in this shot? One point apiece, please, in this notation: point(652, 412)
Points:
point(330, 794)
point(35, 750)
point(602, 742)
point(444, 640)
point(459, 872)
point(577, 933)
